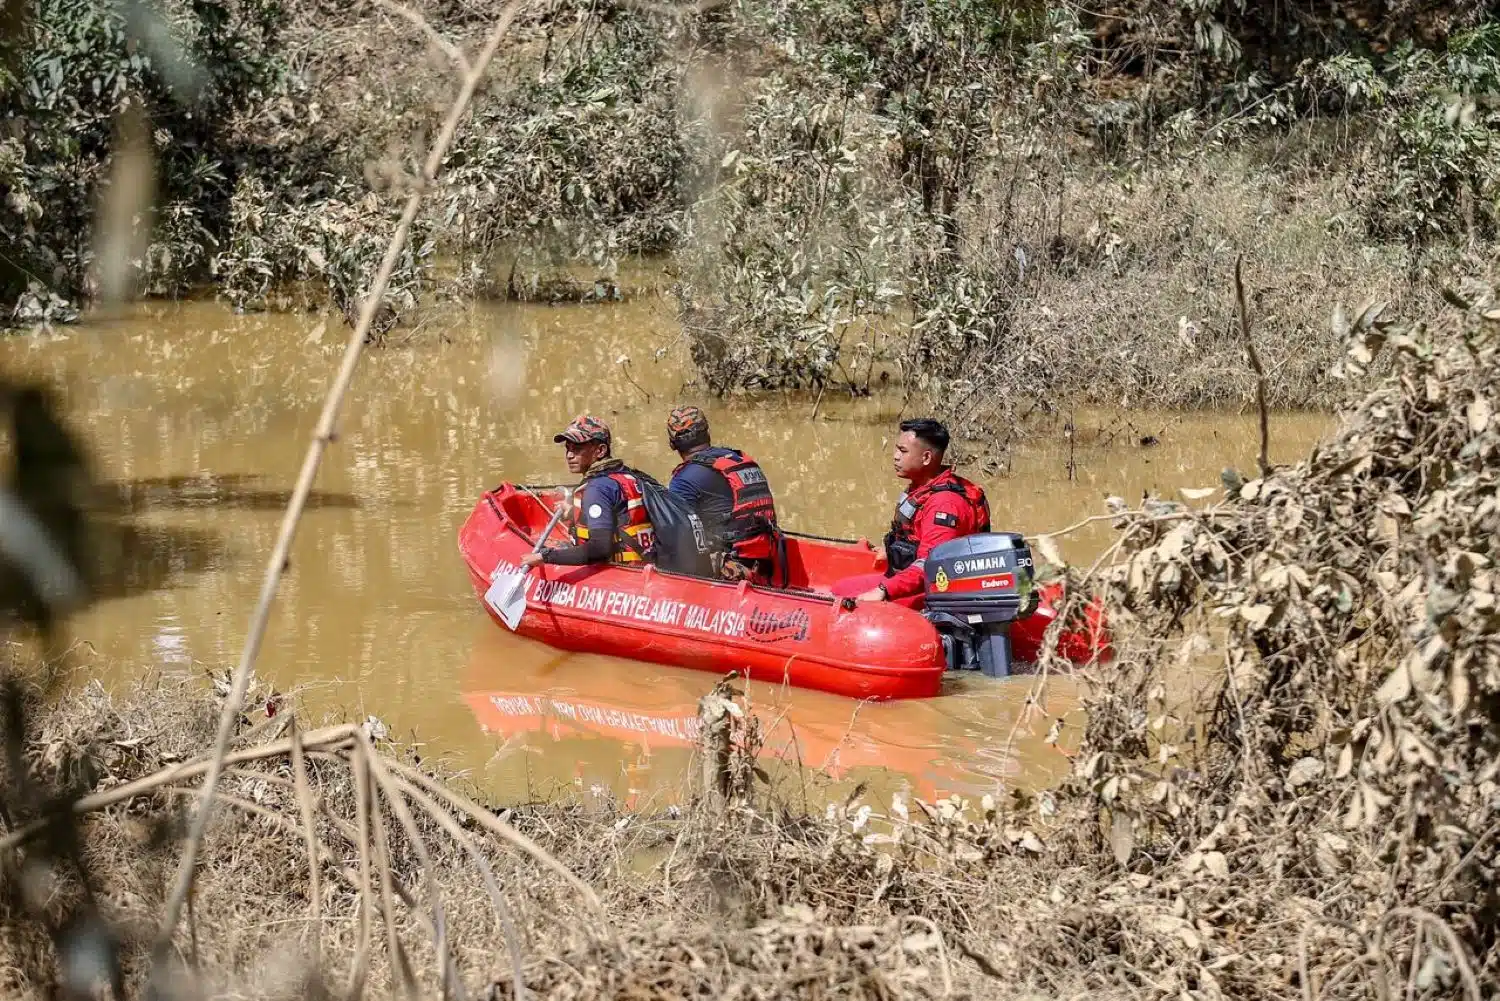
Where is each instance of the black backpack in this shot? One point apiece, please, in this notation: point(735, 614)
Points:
point(682, 544)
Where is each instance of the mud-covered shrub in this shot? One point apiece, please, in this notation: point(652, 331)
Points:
point(583, 160)
point(1006, 133)
point(1431, 167)
point(793, 271)
point(73, 68)
point(327, 247)
point(1297, 739)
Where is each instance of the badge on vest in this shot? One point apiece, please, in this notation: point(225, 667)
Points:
point(946, 519)
point(906, 508)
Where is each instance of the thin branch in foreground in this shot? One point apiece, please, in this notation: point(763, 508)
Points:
point(322, 437)
point(421, 23)
point(309, 822)
point(1260, 373)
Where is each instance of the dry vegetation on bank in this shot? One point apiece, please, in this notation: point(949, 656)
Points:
point(1324, 826)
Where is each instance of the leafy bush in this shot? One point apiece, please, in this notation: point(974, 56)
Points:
point(78, 66)
point(585, 161)
point(1431, 168)
point(789, 263)
point(278, 244)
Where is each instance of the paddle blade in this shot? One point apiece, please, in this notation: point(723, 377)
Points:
point(507, 598)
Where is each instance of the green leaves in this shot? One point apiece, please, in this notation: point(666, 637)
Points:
point(95, 77)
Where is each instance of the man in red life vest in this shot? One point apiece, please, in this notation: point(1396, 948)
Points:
point(730, 494)
point(608, 522)
point(938, 506)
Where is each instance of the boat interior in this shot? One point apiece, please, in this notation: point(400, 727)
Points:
point(813, 562)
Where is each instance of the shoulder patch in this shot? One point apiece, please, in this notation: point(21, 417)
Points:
point(945, 518)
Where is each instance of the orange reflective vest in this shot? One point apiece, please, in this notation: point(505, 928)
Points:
point(634, 538)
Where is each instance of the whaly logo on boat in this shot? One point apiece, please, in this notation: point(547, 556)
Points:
point(768, 626)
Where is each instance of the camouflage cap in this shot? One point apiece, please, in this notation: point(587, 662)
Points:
point(683, 421)
point(583, 430)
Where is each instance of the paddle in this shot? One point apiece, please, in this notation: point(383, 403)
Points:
point(506, 607)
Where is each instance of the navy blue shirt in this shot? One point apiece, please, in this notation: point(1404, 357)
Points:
point(603, 504)
point(705, 491)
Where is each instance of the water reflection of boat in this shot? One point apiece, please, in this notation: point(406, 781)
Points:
point(599, 717)
point(800, 635)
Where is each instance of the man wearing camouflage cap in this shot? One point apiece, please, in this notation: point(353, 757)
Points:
point(608, 522)
point(730, 494)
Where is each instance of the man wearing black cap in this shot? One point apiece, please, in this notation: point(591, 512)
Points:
point(730, 494)
point(608, 521)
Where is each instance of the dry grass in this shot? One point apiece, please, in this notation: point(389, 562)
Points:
point(1127, 295)
point(733, 897)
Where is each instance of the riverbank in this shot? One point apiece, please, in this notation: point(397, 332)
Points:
point(1320, 823)
point(1027, 215)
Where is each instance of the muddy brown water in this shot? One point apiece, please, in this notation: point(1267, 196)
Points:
point(200, 419)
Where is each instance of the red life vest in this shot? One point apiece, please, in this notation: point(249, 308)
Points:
point(635, 540)
point(750, 527)
point(901, 541)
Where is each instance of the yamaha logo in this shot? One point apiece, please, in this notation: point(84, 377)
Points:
point(982, 565)
point(941, 580)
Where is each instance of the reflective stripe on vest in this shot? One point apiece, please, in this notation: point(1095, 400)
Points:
point(635, 540)
point(752, 510)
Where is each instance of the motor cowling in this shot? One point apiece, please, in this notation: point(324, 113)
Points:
point(976, 587)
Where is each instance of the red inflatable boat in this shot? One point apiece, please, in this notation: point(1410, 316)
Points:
point(800, 635)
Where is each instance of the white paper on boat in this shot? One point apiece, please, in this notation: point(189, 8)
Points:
point(507, 597)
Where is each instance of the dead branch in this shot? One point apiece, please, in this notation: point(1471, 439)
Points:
point(305, 804)
point(1260, 373)
point(323, 436)
point(421, 23)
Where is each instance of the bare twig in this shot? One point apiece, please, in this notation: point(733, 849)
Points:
point(1034, 699)
point(625, 367)
point(1138, 516)
point(305, 803)
point(361, 965)
point(421, 23)
point(1426, 919)
point(1260, 372)
point(382, 854)
point(330, 737)
point(1468, 857)
point(502, 909)
point(499, 827)
point(446, 973)
point(323, 436)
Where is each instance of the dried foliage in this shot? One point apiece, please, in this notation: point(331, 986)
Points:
point(1328, 817)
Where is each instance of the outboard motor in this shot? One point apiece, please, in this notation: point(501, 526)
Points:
point(976, 587)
